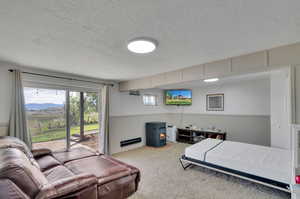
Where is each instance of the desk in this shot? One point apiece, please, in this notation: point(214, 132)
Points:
point(193, 136)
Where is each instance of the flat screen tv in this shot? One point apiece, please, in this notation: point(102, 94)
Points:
point(178, 97)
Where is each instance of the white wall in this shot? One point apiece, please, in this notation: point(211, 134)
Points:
point(5, 88)
point(297, 94)
point(128, 114)
point(244, 98)
point(280, 130)
point(246, 115)
point(123, 104)
point(251, 97)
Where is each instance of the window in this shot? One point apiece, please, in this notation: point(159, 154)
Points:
point(47, 112)
point(150, 100)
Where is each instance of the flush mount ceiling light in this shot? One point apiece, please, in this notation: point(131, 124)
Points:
point(142, 45)
point(211, 80)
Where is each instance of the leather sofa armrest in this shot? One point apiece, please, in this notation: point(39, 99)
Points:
point(67, 186)
point(10, 190)
point(40, 152)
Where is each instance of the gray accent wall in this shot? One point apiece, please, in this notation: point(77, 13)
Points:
point(250, 129)
point(242, 128)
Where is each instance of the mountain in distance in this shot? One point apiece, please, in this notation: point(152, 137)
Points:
point(44, 106)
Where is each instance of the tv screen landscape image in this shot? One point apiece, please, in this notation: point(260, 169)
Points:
point(178, 97)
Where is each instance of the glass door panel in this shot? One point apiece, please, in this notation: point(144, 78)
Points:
point(46, 113)
point(91, 118)
point(75, 119)
point(84, 119)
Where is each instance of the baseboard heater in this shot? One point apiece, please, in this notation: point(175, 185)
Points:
point(131, 141)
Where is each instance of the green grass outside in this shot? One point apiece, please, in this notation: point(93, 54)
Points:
point(179, 101)
point(58, 134)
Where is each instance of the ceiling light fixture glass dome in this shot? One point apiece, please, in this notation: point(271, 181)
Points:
point(211, 80)
point(142, 45)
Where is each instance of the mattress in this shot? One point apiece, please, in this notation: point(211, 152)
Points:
point(267, 162)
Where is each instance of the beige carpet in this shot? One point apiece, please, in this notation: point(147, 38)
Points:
point(163, 177)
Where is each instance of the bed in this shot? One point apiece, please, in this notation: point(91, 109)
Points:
point(266, 165)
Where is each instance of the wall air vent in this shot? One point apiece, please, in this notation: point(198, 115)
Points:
point(134, 92)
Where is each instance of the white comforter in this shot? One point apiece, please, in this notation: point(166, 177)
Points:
point(267, 162)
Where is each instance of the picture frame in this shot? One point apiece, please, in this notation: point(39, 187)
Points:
point(215, 102)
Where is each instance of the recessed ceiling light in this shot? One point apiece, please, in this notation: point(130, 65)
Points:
point(211, 80)
point(142, 45)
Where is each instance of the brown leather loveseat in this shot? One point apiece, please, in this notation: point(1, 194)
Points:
point(77, 174)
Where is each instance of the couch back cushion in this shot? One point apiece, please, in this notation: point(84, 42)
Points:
point(17, 167)
point(13, 142)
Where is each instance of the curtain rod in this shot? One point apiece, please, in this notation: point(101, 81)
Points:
point(58, 77)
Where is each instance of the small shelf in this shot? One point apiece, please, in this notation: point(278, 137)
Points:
point(185, 136)
point(194, 136)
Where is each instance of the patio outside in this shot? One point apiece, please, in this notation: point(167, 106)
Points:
point(91, 141)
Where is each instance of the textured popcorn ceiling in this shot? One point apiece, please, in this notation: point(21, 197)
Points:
point(89, 37)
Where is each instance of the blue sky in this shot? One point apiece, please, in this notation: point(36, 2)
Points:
point(185, 93)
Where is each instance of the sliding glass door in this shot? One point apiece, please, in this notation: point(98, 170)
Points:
point(46, 115)
point(60, 119)
point(84, 119)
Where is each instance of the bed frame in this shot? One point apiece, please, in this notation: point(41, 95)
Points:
point(187, 162)
point(295, 161)
point(292, 188)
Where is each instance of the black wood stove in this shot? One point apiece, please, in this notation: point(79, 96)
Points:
point(156, 134)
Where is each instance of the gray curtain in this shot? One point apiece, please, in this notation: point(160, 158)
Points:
point(17, 122)
point(104, 124)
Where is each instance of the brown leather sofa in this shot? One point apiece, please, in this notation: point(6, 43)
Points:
point(76, 174)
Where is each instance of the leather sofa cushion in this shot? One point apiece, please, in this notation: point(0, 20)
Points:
point(40, 152)
point(120, 188)
point(12, 142)
point(69, 188)
point(9, 190)
point(104, 169)
point(15, 166)
point(73, 154)
point(47, 162)
point(57, 173)
point(133, 169)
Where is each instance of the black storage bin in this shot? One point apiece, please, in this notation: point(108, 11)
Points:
point(156, 134)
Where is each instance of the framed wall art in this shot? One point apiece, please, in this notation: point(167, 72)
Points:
point(215, 102)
